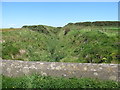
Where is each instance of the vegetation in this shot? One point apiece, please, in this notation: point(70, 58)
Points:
point(9, 29)
point(88, 42)
point(36, 81)
point(97, 23)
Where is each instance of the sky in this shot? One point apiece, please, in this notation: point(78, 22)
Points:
point(18, 14)
point(60, 0)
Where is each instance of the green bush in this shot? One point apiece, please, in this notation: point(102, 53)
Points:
point(98, 23)
point(39, 28)
point(8, 50)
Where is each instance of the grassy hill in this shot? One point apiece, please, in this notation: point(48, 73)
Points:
point(88, 42)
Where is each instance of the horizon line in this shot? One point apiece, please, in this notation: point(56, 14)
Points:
point(60, 26)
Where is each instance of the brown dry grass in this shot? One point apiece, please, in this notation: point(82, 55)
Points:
point(10, 29)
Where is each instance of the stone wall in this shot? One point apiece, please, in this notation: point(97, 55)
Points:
point(15, 68)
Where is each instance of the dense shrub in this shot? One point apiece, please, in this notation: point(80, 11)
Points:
point(97, 23)
point(84, 23)
point(106, 23)
point(39, 28)
point(24, 26)
point(9, 50)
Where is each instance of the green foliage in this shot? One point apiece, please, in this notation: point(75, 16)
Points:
point(36, 81)
point(71, 43)
point(8, 50)
point(39, 28)
point(97, 23)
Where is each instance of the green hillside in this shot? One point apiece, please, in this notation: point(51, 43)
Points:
point(75, 42)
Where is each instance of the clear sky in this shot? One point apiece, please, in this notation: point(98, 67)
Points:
point(17, 14)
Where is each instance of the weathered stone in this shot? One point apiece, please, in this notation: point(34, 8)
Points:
point(112, 77)
point(15, 68)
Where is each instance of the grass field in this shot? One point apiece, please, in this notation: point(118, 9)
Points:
point(36, 81)
point(71, 43)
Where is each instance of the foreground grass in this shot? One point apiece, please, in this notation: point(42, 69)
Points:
point(36, 81)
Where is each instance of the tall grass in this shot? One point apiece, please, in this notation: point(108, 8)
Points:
point(36, 81)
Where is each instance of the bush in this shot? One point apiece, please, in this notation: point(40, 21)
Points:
point(8, 50)
point(39, 28)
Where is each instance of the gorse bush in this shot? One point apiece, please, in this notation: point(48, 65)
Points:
point(75, 42)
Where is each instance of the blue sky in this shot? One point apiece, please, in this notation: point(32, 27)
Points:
point(17, 14)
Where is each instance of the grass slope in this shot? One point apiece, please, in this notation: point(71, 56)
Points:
point(71, 43)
